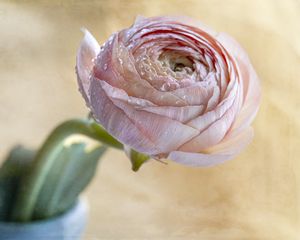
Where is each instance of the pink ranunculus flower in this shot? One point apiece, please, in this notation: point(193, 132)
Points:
point(171, 87)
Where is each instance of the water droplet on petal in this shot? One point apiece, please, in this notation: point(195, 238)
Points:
point(105, 66)
point(143, 31)
point(165, 86)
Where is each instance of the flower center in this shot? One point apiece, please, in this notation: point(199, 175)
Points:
point(176, 62)
point(178, 67)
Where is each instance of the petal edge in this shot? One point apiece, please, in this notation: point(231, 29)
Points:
point(88, 50)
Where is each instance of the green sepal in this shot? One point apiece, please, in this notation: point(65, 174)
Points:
point(137, 159)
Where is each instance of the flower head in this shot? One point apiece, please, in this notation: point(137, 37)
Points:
point(170, 87)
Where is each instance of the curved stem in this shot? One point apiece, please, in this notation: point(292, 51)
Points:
point(33, 181)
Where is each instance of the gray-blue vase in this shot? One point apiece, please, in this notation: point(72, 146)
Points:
point(69, 225)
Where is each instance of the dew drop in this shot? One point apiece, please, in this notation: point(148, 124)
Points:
point(143, 31)
point(130, 67)
point(128, 34)
point(105, 66)
point(165, 86)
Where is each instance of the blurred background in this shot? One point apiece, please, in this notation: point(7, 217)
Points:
point(255, 196)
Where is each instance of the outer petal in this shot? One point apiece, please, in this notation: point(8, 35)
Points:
point(251, 98)
point(204, 121)
point(116, 122)
point(160, 133)
point(214, 125)
point(141, 23)
point(233, 143)
point(198, 159)
point(88, 50)
point(165, 133)
point(226, 150)
point(213, 134)
point(248, 79)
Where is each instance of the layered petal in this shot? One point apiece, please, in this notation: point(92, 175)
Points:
point(226, 150)
point(233, 143)
point(115, 66)
point(181, 114)
point(198, 159)
point(87, 52)
point(248, 80)
point(116, 122)
point(164, 133)
point(213, 133)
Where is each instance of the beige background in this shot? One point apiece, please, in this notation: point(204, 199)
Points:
point(255, 196)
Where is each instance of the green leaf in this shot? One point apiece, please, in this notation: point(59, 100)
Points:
point(16, 164)
point(72, 170)
point(32, 184)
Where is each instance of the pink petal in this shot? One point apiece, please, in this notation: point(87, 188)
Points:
point(181, 114)
point(88, 50)
point(213, 134)
point(233, 143)
point(166, 134)
point(115, 66)
point(142, 23)
point(252, 96)
point(194, 95)
point(121, 95)
point(202, 122)
point(214, 99)
point(198, 159)
point(224, 151)
point(116, 122)
point(249, 81)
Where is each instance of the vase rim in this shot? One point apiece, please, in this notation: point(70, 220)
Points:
point(80, 205)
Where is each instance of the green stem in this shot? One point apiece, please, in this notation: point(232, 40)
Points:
point(32, 183)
